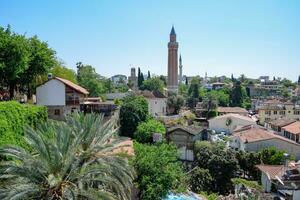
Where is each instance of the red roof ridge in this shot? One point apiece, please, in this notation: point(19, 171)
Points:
point(76, 87)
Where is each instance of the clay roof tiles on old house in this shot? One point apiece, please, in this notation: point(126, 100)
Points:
point(73, 85)
point(250, 134)
point(232, 110)
point(293, 128)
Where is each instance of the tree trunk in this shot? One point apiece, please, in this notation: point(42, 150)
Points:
point(28, 91)
point(11, 90)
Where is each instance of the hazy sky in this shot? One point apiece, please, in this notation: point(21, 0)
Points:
point(220, 37)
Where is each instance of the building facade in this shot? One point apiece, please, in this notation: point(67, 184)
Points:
point(60, 96)
point(173, 62)
point(277, 111)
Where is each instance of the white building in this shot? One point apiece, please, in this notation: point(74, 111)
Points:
point(61, 97)
point(157, 102)
point(119, 79)
point(284, 179)
point(229, 122)
point(253, 138)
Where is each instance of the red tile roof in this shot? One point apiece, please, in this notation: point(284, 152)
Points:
point(253, 134)
point(73, 85)
point(232, 110)
point(293, 128)
point(271, 170)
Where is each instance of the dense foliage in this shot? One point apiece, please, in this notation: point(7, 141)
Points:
point(89, 79)
point(133, 111)
point(153, 84)
point(200, 180)
point(158, 170)
point(220, 162)
point(174, 103)
point(23, 61)
point(64, 72)
point(14, 116)
point(145, 130)
point(70, 160)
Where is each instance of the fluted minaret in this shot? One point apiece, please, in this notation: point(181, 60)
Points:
point(180, 70)
point(173, 62)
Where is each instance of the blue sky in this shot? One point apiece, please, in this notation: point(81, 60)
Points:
point(257, 37)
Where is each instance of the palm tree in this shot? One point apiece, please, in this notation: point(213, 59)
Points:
point(69, 160)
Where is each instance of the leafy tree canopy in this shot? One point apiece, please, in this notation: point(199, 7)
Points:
point(158, 170)
point(133, 111)
point(64, 72)
point(153, 84)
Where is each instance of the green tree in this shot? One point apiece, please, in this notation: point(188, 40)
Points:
point(64, 72)
point(193, 93)
point(149, 76)
point(174, 103)
point(194, 88)
point(140, 79)
point(41, 60)
point(89, 79)
point(145, 130)
point(133, 111)
point(153, 84)
point(220, 162)
point(158, 170)
point(70, 160)
point(182, 89)
point(164, 80)
point(238, 94)
point(272, 156)
point(200, 180)
point(210, 102)
point(14, 58)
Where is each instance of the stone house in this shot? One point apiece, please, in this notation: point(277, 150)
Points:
point(60, 96)
point(184, 138)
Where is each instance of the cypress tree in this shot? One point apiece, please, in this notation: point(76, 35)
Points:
point(149, 76)
point(139, 77)
point(186, 81)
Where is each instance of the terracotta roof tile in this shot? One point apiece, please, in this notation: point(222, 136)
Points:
point(232, 110)
point(253, 133)
point(293, 128)
point(272, 170)
point(281, 122)
point(73, 85)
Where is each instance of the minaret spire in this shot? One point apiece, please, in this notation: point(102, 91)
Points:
point(180, 70)
point(173, 62)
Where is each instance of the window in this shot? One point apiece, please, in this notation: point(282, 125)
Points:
point(56, 112)
point(268, 112)
point(282, 112)
point(296, 112)
point(275, 112)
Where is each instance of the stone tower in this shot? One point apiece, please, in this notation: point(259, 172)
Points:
point(173, 62)
point(180, 70)
point(133, 78)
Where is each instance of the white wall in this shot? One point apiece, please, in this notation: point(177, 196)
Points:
point(266, 183)
point(52, 93)
point(219, 124)
point(275, 142)
point(157, 106)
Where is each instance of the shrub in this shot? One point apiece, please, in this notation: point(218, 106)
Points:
point(14, 117)
point(146, 129)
